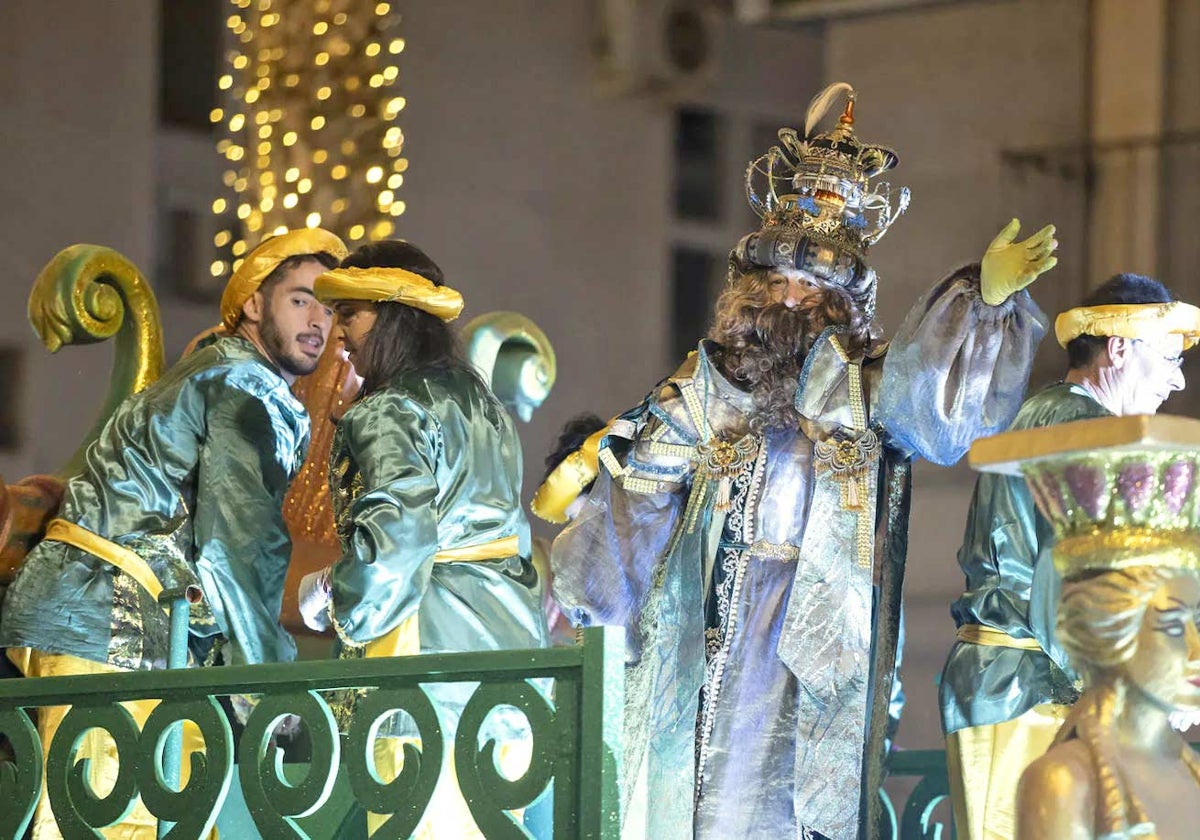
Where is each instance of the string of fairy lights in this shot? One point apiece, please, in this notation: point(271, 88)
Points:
point(308, 122)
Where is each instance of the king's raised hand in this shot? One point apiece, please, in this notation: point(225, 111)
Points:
point(1010, 266)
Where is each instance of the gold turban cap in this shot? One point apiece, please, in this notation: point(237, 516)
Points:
point(389, 285)
point(266, 258)
point(1130, 320)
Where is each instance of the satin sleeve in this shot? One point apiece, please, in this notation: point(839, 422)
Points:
point(389, 555)
point(957, 369)
point(255, 441)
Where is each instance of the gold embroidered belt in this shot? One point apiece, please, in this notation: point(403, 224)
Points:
point(60, 530)
point(979, 634)
point(405, 638)
point(765, 550)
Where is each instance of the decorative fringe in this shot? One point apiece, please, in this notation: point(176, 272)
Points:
point(724, 492)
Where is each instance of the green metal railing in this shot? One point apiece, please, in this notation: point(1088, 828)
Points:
point(575, 748)
point(918, 820)
point(575, 737)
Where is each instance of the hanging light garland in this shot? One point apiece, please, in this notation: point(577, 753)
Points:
point(308, 116)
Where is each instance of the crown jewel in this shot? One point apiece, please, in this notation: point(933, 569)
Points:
point(1118, 491)
point(818, 207)
point(821, 183)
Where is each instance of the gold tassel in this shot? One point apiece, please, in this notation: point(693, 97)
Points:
point(853, 502)
point(724, 491)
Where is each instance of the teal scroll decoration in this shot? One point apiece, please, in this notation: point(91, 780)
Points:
point(488, 792)
point(274, 803)
point(407, 796)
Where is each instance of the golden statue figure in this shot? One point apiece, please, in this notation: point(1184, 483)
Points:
point(1122, 496)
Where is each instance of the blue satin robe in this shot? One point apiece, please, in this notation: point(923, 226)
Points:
point(1004, 547)
point(428, 463)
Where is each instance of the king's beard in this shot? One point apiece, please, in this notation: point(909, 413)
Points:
point(763, 344)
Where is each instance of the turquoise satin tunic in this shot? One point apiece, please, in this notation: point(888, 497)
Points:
point(432, 462)
point(1010, 586)
point(190, 474)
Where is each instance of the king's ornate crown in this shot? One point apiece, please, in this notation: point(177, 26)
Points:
point(818, 207)
point(821, 183)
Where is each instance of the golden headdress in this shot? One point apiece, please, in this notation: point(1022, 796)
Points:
point(1118, 491)
point(264, 259)
point(1130, 320)
point(389, 285)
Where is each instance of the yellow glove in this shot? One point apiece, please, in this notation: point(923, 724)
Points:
point(1008, 266)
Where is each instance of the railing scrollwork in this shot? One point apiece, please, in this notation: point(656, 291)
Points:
point(562, 694)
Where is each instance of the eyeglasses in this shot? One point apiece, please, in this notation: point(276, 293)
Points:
point(1175, 361)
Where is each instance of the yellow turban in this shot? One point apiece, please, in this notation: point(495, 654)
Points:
point(1130, 320)
point(389, 285)
point(567, 480)
point(266, 258)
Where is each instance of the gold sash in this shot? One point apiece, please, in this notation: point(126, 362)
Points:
point(405, 638)
point(979, 634)
point(494, 550)
point(60, 530)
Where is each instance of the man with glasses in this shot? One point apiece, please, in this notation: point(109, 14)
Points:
point(1006, 687)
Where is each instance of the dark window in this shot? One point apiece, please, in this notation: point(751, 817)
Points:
point(697, 277)
point(697, 166)
point(188, 257)
point(189, 55)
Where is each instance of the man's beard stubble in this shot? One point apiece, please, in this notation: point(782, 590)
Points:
point(294, 362)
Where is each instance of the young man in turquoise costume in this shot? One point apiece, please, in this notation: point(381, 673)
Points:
point(748, 527)
point(1006, 689)
point(183, 486)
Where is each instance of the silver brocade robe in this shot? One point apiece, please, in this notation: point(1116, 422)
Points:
point(750, 622)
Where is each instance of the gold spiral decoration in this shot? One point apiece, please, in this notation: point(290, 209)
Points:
point(87, 294)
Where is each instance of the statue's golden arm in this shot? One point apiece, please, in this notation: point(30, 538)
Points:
point(1056, 799)
point(87, 294)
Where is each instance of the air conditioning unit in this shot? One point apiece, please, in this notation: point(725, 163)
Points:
point(665, 48)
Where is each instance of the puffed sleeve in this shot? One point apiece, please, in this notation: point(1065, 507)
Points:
point(957, 369)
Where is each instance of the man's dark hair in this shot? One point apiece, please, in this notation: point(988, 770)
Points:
point(573, 434)
point(405, 338)
point(1120, 288)
point(295, 261)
